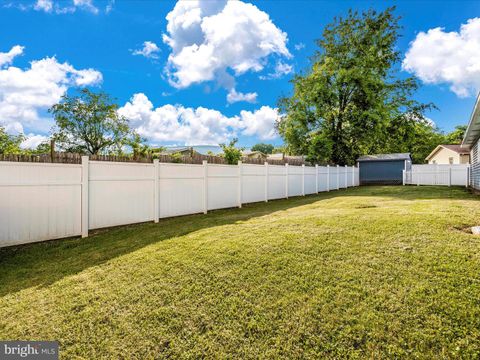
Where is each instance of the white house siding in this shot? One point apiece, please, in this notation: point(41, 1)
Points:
point(475, 167)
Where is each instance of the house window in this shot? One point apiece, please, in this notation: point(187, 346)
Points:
point(450, 160)
point(434, 161)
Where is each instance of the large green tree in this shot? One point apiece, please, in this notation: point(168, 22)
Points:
point(263, 148)
point(10, 144)
point(89, 123)
point(352, 101)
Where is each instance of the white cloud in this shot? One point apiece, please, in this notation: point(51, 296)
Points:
point(44, 5)
point(234, 96)
point(452, 58)
point(51, 6)
point(299, 46)
point(193, 126)
point(6, 58)
point(260, 123)
point(281, 69)
point(210, 40)
point(149, 50)
point(32, 141)
point(27, 93)
point(86, 4)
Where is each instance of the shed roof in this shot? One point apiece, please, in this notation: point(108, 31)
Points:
point(385, 157)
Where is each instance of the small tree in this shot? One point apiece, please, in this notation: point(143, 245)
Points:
point(89, 123)
point(263, 148)
point(456, 136)
point(10, 144)
point(231, 153)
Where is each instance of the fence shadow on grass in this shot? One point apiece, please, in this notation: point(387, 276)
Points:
point(43, 264)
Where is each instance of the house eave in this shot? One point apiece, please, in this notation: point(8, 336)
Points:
point(473, 129)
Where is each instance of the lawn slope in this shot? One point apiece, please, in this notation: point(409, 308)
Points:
point(370, 272)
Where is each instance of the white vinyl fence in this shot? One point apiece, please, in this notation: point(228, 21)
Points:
point(435, 174)
point(42, 201)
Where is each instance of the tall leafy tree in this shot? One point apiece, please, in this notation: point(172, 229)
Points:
point(10, 144)
point(351, 99)
point(89, 123)
point(456, 136)
point(263, 148)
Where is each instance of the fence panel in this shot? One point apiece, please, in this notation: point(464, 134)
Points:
point(341, 177)
point(120, 193)
point(433, 174)
point(253, 183)
point(181, 189)
point(42, 201)
point(323, 178)
point(295, 180)
point(222, 186)
point(310, 179)
point(39, 201)
point(276, 182)
point(333, 175)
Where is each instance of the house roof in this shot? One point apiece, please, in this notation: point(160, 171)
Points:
point(385, 157)
point(473, 129)
point(456, 148)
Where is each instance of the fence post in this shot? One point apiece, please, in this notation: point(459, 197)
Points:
point(205, 186)
point(316, 178)
point(346, 176)
point(286, 181)
point(328, 177)
point(468, 177)
point(353, 175)
point(449, 176)
point(239, 184)
point(436, 175)
point(156, 190)
point(85, 180)
point(303, 179)
point(338, 177)
point(266, 181)
point(404, 175)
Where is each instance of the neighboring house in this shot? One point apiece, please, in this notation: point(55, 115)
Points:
point(385, 169)
point(276, 156)
point(186, 151)
point(470, 141)
point(449, 154)
point(254, 155)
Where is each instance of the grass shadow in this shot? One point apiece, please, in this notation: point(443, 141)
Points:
point(42, 264)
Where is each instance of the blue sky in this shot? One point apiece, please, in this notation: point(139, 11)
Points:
point(176, 87)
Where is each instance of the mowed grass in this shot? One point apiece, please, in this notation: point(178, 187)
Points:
point(370, 272)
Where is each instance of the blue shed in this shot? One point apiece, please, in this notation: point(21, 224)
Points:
point(383, 169)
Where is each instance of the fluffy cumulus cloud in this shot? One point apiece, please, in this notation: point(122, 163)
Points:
point(26, 94)
point(191, 126)
point(149, 50)
point(6, 58)
point(453, 58)
point(234, 96)
point(217, 40)
point(32, 141)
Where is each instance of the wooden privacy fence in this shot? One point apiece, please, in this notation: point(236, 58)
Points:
point(42, 201)
point(435, 174)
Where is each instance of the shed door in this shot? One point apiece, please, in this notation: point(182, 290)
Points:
point(381, 172)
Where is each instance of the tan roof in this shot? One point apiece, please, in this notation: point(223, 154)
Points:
point(456, 148)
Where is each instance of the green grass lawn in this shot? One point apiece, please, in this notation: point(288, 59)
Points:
point(370, 272)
